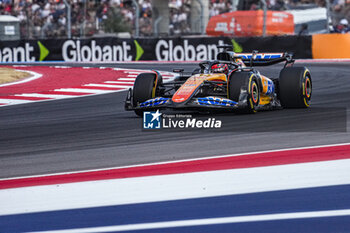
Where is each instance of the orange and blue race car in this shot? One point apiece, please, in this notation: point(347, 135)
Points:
point(229, 83)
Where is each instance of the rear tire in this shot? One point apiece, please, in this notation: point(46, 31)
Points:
point(249, 81)
point(295, 87)
point(145, 88)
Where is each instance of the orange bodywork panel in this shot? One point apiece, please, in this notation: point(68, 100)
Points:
point(266, 89)
point(264, 82)
point(250, 23)
point(191, 85)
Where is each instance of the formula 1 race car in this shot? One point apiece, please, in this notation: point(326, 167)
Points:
point(229, 83)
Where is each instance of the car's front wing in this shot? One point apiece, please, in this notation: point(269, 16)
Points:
point(210, 102)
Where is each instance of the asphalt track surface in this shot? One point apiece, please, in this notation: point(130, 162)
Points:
point(95, 132)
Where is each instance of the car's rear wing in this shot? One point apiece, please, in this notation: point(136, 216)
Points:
point(264, 59)
point(255, 58)
point(264, 56)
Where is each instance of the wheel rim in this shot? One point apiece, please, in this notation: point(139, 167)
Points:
point(308, 87)
point(255, 93)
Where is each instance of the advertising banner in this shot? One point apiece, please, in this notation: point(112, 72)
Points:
point(331, 46)
point(111, 49)
point(250, 23)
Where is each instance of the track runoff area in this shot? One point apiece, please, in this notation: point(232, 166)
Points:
point(290, 190)
point(66, 82)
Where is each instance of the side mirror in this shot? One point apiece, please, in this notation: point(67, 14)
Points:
point(254, 53)
point(253, 57)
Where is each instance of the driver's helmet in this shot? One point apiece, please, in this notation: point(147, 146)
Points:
point(220, 68)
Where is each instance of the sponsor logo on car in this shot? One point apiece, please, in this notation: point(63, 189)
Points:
point(270, 87)
point(260, 55)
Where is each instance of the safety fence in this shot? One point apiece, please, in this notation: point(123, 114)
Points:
point(112, 49)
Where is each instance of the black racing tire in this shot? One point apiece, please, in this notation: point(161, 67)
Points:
point(145, 88)
point(250, 82)
point(295, 87)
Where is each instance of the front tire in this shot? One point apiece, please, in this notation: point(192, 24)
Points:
point(295, 87)
point(249, 82)
point(145, 88)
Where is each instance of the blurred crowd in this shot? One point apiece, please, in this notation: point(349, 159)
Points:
point(217, 7)
point(48, 18)
point(340, 15)
point(339, 10)
point(179, 17)
point(39, 17)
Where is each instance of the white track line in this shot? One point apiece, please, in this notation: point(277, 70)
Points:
point(47, 100)
point(100, 85)
point(123, 86)
point(130, 70)
point(61, 67)
point(20, 66)
point(14, 101)
point(126, 79)
point(82, 90)
point(119, 82)
point(207, 221)
point(46, 95)
point(105, 85)
point(34, 76)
